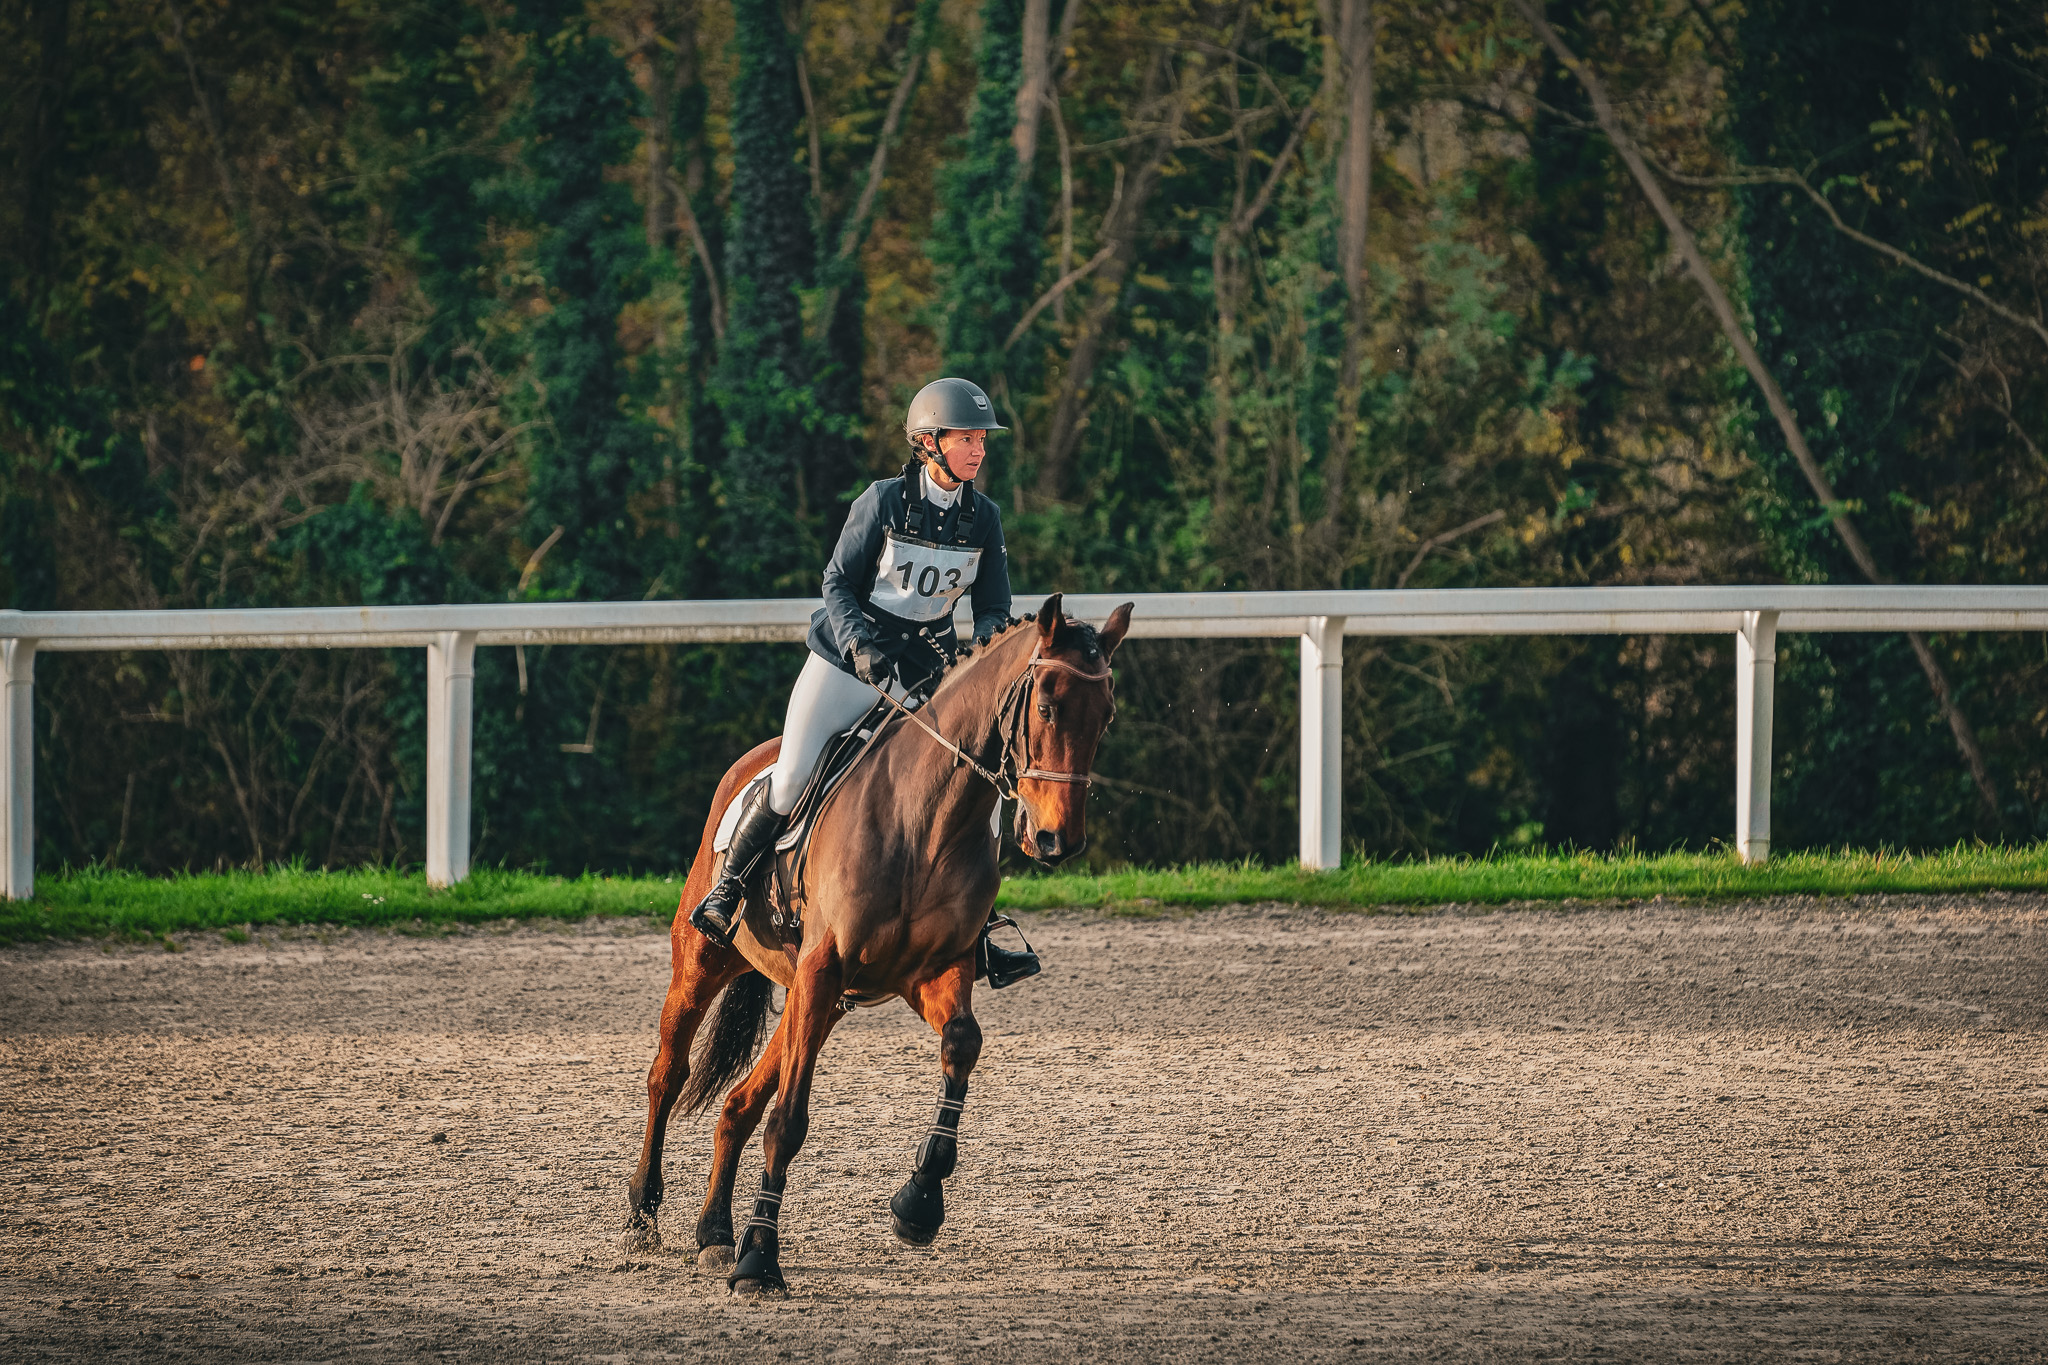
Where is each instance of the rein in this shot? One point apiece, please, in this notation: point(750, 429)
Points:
point(1014, 705)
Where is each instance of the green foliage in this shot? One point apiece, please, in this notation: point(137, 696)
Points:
point(360, 304)
point(589, 452)
point(1936, 141)
point(985, 230)
point(771, 415)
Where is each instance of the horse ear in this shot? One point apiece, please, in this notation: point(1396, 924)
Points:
point(1119, 624)
point(1049, 618)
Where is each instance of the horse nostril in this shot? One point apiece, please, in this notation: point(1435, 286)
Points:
point(1048, 844)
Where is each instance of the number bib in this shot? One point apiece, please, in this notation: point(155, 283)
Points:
point(920, 581)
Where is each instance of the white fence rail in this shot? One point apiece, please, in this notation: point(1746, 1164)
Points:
point(1321, 620)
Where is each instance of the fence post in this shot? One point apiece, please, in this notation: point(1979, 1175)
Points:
point(451, 681)
point(1756, 668)
point(1322, 741)
point(17, 769)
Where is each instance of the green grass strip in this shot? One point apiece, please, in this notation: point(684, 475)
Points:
point(1501, 877)
point(97, 902)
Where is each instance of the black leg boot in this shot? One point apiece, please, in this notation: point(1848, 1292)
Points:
point(1001, 966)
point(752, 839)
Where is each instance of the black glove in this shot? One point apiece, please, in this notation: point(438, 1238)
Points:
point(869, 664)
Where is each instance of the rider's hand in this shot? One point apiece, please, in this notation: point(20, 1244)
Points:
point(869, 665)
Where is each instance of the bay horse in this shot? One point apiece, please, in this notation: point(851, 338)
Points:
point(900, 878)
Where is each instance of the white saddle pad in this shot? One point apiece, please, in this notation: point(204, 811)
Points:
point(721, 839)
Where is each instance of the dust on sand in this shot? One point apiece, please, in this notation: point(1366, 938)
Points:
point(1796, 1129)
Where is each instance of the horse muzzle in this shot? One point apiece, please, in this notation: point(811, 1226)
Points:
point(1050, 850)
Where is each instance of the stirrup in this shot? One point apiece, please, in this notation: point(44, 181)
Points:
point(1001, 966)
point(753, 840)
point(706, 919)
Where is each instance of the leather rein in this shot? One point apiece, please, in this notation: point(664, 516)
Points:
point(1014, 711)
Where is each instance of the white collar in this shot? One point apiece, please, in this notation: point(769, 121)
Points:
point(937, 496)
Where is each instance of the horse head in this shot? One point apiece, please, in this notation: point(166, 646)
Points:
point(1067, 702)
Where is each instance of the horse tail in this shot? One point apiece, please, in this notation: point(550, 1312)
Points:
point(731, 1041)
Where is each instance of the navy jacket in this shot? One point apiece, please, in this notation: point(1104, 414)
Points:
point(848, 617)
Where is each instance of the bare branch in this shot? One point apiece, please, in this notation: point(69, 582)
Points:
point(1259, 203)
point(703, 246)
point(1774, 175)
point(803, 83)
point(856, 223)
point(1445, 538)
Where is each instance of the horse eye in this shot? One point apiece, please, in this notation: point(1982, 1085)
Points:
point(1045, 710)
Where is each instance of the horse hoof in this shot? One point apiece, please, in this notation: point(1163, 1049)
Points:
point(755, 1291)
point(912, 1236)
point(714, 1257)
point(640, 1237)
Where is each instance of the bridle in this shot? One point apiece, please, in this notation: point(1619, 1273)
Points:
point(1014, 719)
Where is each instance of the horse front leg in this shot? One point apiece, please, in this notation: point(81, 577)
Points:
point(919, 1208)
point(808, 1016)
point(700, 972)
point(736, 1123)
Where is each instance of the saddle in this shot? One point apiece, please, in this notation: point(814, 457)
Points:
point(781, 893)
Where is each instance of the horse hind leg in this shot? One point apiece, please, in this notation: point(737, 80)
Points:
point(701, 971)
point(919, 1209)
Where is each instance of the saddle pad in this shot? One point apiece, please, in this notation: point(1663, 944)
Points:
point(721, 839)
point(834, 763)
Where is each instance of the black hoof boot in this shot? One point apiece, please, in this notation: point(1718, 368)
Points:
point(759, 1270)
point(919, 1210)
point(1001, 966)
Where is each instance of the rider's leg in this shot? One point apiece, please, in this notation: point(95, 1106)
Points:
point(824, 702)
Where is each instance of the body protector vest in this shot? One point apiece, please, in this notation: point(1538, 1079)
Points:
point(919, 579)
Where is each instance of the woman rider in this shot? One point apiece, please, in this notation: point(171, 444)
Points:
point(912, 546)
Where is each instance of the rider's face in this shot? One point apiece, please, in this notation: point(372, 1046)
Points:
point(964, 451)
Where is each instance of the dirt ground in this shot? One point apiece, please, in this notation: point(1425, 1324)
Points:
point(1796, 1130)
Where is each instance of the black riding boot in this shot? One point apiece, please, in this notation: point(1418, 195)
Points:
point(1001, 966)
point(753, 837)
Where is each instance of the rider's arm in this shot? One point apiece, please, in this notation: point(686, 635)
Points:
point(992, 580)
point(847, 582)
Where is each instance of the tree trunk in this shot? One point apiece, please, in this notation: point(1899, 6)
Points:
point(1356, 34)
point(1031, 84)
point(45, 135)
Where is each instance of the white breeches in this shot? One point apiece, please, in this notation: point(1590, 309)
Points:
point(824, 702)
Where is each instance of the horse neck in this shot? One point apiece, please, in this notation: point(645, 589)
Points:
point(964, 711)
point(965, 707)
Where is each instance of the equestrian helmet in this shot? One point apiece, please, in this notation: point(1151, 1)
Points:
point(950, 405)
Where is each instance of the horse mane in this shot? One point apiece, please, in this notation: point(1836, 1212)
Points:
point(1070, 634)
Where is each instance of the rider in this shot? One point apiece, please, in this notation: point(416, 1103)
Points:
point(912, 546)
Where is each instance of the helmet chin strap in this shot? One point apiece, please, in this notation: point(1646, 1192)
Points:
point(936, 454)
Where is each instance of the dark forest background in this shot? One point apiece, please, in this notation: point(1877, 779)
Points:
point(404, 301)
